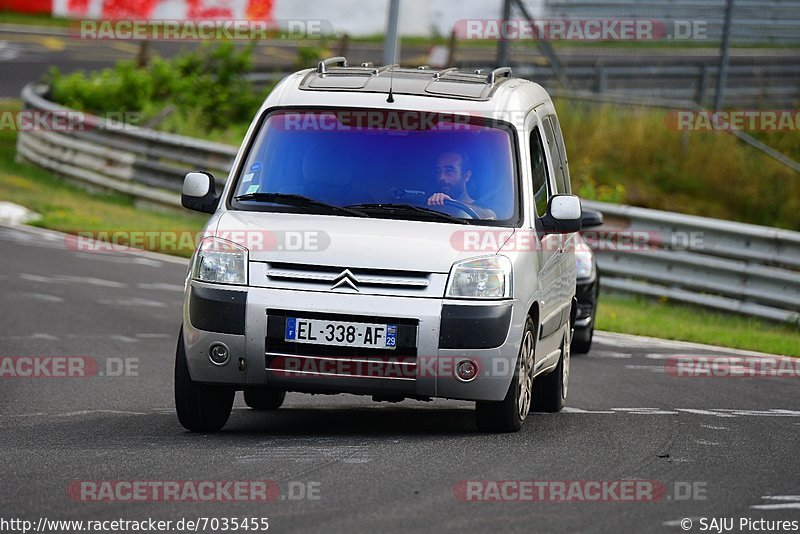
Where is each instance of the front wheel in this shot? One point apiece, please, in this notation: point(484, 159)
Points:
point(508, 414)
point(551, 389)
point(200, 407)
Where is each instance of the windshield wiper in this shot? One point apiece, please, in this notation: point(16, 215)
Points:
point(298, 201)
point(407, 209)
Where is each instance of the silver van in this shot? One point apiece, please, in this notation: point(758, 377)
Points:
point(393, 232)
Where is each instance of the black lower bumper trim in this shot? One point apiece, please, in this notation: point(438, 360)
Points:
point(217, 310)
point(474, 327)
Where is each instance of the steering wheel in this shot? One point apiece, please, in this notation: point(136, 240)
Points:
point(463, 207)
point(420, 197)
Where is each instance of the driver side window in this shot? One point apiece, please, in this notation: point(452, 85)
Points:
point(538, 172)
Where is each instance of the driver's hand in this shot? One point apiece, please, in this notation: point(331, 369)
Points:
point(437, 199)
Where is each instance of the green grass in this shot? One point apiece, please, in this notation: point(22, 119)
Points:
point(668, 320)
point(7, 17)
point(632, 155)
point(68, 208)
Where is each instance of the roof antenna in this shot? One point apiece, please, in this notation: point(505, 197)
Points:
point(390, 98)
point(391, 43)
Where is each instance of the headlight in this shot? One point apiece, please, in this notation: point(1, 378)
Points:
point(220, 261)
point(584, 259)
point(481, 278)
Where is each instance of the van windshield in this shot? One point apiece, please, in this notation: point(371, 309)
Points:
point(381, 163)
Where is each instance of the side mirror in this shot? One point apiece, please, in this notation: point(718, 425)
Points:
point(591, 218)
point(563, 215)
point(199, 192)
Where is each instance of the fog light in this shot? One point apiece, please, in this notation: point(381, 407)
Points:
point(218, 354)
point(466, 370)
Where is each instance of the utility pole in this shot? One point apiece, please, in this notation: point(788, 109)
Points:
point(722, 74)
point(391, 43)
point(502, 44)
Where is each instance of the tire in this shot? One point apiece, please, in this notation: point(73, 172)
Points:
point(582, 341)
point(550, 390)
point(200, 407)
point(508, 414)
point(264, 399)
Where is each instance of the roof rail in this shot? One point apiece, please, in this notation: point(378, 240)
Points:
point(500, 71)
point(322, 66)
point(438, 74)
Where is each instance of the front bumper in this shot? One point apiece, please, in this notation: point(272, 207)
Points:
point(447, 331)
point(586, 291)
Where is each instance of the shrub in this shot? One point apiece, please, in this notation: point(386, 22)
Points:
point(207, 89)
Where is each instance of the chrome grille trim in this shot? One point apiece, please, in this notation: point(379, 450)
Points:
point(362, 277)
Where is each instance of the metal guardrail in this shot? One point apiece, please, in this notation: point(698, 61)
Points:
point(742, 268)
point(147, 164)
point(748, 85)
point(754, 21)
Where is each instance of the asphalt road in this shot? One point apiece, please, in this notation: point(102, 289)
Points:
point(375, 467)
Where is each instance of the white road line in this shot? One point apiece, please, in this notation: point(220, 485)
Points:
point(571, 409)
point(161, 287)
point(714, 412)
point(704, 412)
point(629, 340)
point(645, 411)
point(135, 301)
point(62, 279)
point(34, 336)
point(677, 522)
point(606, 354)
point(791, 502)
point(7, 51)
point(652, 368)
point(70, 414)
point(794, 505)
point(705, 442)
point(42, 296)
point(52, 234)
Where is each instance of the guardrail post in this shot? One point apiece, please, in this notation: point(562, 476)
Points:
point(702, 85)
point(600, 78)
point(344, 45)
point(451, 49)
point(722, 76)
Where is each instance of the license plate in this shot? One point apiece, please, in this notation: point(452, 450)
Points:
point(341, 333)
